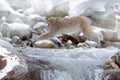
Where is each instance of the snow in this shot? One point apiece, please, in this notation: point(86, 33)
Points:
point(5, 6)
point(49, 7)
point(42, 6)
point(19, 29)
point(12, 61)
point(16, 26)
point(86, 7)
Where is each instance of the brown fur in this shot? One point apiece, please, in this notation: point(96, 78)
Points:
point(59, 25)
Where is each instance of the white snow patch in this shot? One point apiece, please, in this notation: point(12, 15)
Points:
point(12, 29)
point(5, 6)
point(12, 61)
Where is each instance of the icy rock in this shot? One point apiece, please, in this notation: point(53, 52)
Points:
point(4, 13)
point(116, 58)
point(44, 8)
point(82, 45)
point(57, 42)
point(99, 10)
point(114, 64)
point(5, 44)
point(45, 44)
point(40, 27)
point(86, 7)
point(36, 17)
point(4, 6)
point(111, 65)
point(33, 19)
point(50, 7)
point(60, 8)
point(16, 29)
point(111, 74)
point(115, 44)
point(104, 19)
point(91, 43)
point(6, 39)
point(11, 66)
point(73, 38)
point(7, 11)
point(16, 39)
point(19, 4)
point(89, 7)
point(69, 44)
point(2, 62)
point(28, 11)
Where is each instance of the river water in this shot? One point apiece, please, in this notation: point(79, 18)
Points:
point(72, 64)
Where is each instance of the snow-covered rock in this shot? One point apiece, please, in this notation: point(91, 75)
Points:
point(49, 7)
point(4, 6)
point(88, 7)
point(60, 8)
point(10, 65)
point(69, 44)
point(104, 19)
point(113, 72)
point(44, 44)
point(91, 43)
point(115, 44)
point(24, 31)
point(16, 39)
point(19, 4)
point(99, 11)
point(33, 19)
point(82, 45)
point(40, 27)
point(6, 9)
point(5, 44)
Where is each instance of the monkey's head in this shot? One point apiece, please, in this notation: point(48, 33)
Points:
point(53, 20)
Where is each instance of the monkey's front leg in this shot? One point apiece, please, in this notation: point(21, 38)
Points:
point(44, 36)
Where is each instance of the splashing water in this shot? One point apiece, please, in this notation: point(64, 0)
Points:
point(73, 64)
point(54, 75)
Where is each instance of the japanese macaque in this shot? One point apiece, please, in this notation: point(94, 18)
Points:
point(59, 25)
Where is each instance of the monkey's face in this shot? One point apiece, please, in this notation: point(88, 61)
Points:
point(51, 23)
point(51, 20)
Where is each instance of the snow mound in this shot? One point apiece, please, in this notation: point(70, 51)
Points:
point(9, 60)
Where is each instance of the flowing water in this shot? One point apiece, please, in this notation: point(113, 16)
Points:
point(72, 64)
